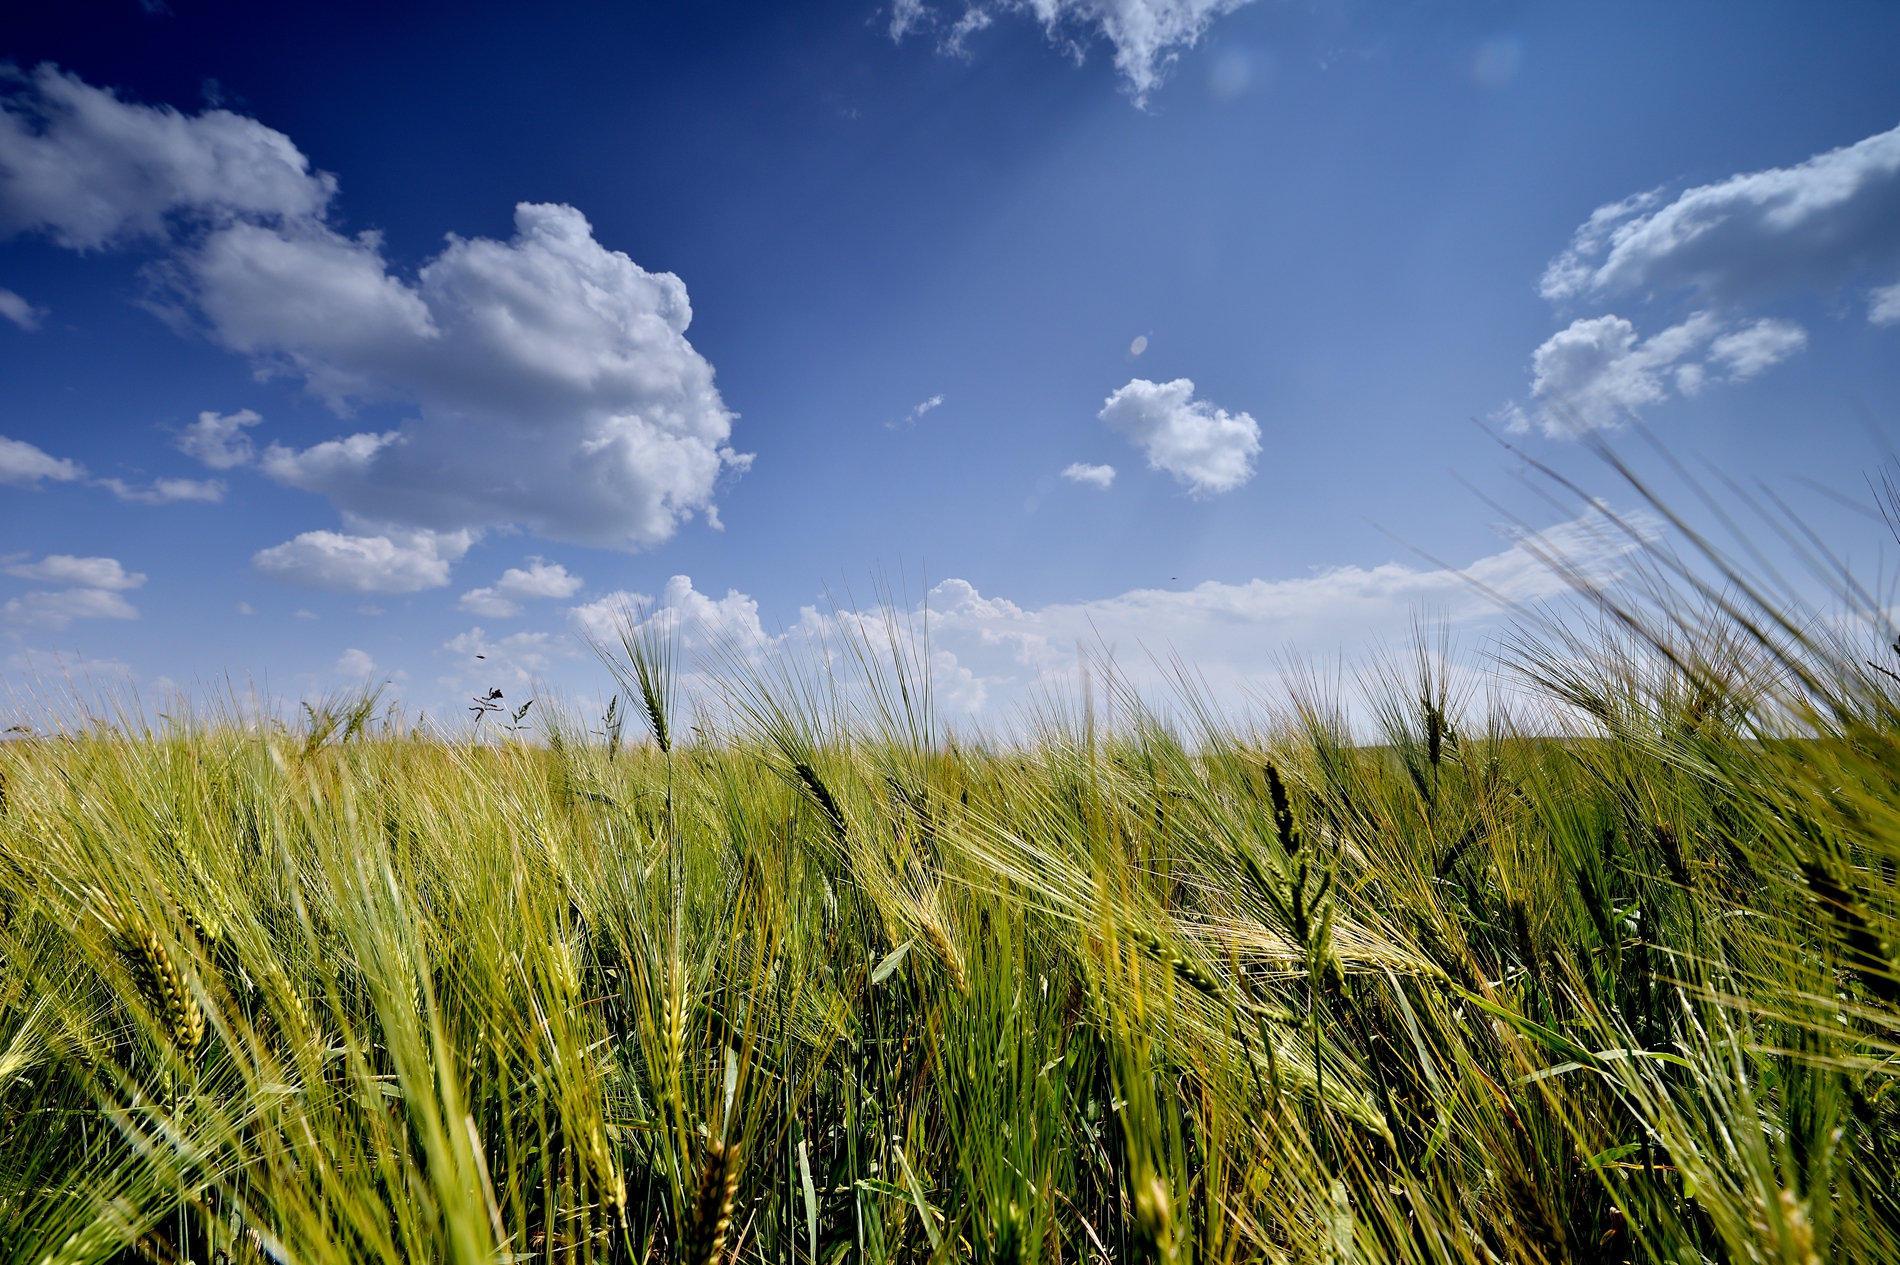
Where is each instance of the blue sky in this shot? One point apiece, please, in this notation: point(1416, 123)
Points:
point(342, 344)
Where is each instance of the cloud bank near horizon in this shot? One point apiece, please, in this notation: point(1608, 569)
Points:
point(991, 657)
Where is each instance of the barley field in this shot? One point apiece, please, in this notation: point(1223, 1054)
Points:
point(1586, 954)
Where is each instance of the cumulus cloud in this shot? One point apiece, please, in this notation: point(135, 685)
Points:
point(502, 600)
point(89, 170)
point(1207, 448)
point(1147, 35)
point(553, 384)
point(218, 439)
point(395, 561)
point(517, 658)
point(702, 622)
point(1096, 476)
point(53, 611)
point(19, 311)
point(1598, 373)
point(1814, 224)
point(165, 491)
point(22, 463)
point(355, 662)
point(64, 568)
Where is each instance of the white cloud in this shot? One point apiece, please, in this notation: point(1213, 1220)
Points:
point(989, 654)
point(1082, 472)
point(165, 491)
point(395, 561)
point(219, 440)
point(1883, 305)
point(910, 418)
point(540, 579)
point(19, 311)
point(502, 601)
point(1597, 373)
point(907, 16)
point(54, 611)
point(488, 604)
point(519, 657)
point(553, 382)
point(22, 463)
point(1753, 348)
point(64, 568)
point(356, 663)
point(88, 169)
point(1147, 34)
point(1814, 224)
point(703, 623)
point(1205, 447)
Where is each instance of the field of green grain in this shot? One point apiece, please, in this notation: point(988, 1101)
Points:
point(823, 981)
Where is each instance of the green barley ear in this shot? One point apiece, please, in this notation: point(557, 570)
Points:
point(643, 663)
point(712, 1209)
point(163, 985)
point(614, 721)
point(1282, 812)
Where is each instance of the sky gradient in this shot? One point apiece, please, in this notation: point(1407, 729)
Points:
point(343, 345)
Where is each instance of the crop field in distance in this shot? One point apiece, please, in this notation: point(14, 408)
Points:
point(810, 978)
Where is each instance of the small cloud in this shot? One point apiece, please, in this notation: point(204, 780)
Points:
point(910, 418)
point(520, 656)
point(219, 440)
point(1098, 476)
point(19, 311)
point(1753, 348)
point(367, 609)
point(489, 604)
point(355, 663)
point(1883, 307)
point(502, 601)
point(1207, 448)
point(23, 464)
point(53, 611)
point(906, 16)
point(64, 568)
point(395, 562)
point(244, 608)
point(304, 614)
point(166, 491)
point(1147, 35)
point(1597, 373)
point(539, 579)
